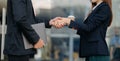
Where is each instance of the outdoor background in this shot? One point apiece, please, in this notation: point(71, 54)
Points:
point(63, 44)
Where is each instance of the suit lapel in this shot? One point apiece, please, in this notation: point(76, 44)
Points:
point(97, 7)
point(93, 12)
point(30, 11)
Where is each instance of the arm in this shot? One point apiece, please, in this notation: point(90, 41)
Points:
point(46, 21)
point(20, 17)
point(96, 20)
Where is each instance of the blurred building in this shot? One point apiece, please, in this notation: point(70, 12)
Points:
point(116, 12)
point(48, 9)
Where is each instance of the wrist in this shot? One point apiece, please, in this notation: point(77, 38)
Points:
point(71, 17)
point(68, 22)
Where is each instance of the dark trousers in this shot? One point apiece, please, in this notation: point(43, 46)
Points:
point(98, 58)
point(18, 58)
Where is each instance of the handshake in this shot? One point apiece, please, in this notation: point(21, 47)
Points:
point(60, 22)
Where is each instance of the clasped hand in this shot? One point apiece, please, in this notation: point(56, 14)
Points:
point(39, 44)
point(59, 22)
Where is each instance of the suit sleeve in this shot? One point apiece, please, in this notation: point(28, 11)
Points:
point(100, 17)
point(47, 25)
point(20, 17)
point(46, 21)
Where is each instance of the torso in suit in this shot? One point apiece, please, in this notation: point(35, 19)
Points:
point(93, 31)
point(20, 16)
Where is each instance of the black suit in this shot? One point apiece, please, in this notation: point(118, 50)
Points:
point(93, 31)
point(20, 16)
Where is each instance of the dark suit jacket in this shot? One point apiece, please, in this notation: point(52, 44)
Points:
point(93, 31)
point(20, 16)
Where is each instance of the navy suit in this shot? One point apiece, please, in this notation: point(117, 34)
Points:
point(93, 31)
point(20, 16)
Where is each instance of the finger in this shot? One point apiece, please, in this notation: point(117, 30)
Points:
point(51, 21)
point(39, 44)
point(55, 23)
point(59, 24)
point(58, 18)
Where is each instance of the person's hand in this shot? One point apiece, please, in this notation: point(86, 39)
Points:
point(66, 20)
point(57, 22)
point(39, 44)
point(52, 21)
point(60, 22)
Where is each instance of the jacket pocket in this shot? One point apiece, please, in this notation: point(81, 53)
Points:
point(10, 41)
